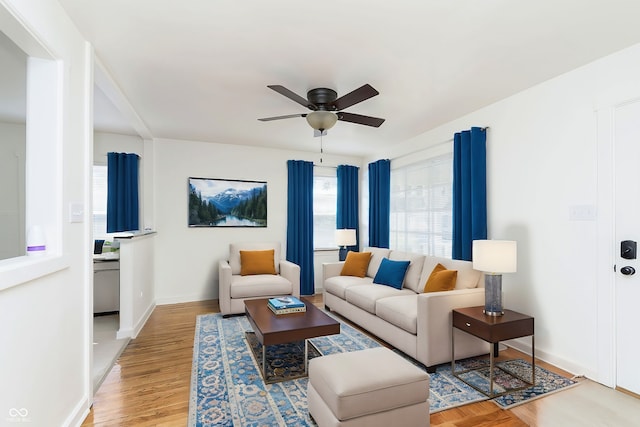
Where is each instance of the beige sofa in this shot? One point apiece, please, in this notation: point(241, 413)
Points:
point(235, 288)
point(418, 324)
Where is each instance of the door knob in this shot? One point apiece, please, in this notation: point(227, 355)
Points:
point(628, 271)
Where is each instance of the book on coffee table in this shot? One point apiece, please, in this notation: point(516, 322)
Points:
point(284, 305)
point(285, 302)
point(287, 310)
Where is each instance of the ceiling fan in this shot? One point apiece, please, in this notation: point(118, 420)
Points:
point(326, 108)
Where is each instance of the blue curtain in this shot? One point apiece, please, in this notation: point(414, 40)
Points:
point(347, 209)
point(379, 202)
point(469, 190)
point(300, 221)
point(122, 192)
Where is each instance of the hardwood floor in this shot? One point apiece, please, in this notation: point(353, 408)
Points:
point(149, 385)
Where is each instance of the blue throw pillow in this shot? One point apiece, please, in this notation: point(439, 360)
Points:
point(391, 273)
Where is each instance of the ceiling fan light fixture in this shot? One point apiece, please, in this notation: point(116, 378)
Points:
point(321, 120)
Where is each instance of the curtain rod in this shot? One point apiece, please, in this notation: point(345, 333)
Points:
point(431, 146)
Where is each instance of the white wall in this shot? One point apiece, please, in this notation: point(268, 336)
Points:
point(187, 258)
point(137, 287)
point(12, 177)
point(45, 319)
point(542, 161)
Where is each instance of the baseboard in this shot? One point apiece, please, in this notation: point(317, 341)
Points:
point(194, 298)
point(559, 362)
point(184, 298)
point(143, 319)
point(78, 414)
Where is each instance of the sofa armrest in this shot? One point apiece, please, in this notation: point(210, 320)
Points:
point(434, 324)
point(224, 287)
point(331, 269)
point(291, 272)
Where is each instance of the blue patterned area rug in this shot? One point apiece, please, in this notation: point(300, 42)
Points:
point(508, 380)
point(227, 388)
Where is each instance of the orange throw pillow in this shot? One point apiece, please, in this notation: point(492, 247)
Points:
point(441, 279)
point(257, 262)
point(356, 264)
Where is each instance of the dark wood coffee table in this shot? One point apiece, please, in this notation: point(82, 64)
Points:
point(273, 329)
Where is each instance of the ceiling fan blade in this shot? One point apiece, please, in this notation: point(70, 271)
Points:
point(360, 119)
point(361, 94)
point(293, 96)
point(268, 119)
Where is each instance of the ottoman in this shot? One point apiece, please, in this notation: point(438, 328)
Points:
point(373, 387)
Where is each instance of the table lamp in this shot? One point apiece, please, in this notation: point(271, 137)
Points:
point(494, 257)
point(345, 237)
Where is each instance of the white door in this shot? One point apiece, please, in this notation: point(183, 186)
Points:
point(627, 228)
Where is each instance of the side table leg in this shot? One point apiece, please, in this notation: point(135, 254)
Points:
point(533, 361)
point(491, 375)
point(453, 357)
point(496, 349)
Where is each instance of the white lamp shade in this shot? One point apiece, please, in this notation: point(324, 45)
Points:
point(345, 237)
point(321, 120)
point(495, 256)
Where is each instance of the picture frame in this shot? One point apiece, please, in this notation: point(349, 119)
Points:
point(217, 202)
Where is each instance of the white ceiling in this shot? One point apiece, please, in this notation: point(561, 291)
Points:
point(199, 69)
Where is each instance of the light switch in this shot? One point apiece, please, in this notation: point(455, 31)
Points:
point(582, 213)
point(76, 212)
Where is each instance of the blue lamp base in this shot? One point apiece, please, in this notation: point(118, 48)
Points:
point(493, 294)
point(342, 254)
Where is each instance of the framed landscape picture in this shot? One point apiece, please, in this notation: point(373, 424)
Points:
point(227, 203)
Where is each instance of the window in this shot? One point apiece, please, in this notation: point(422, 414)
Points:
point(421, 207)
point(325, 202)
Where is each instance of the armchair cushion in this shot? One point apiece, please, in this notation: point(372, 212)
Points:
point(257, 262)
point(259, 285)
point(234, 253)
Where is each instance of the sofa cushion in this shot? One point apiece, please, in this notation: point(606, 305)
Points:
point(376, 258)
point(365, 296)
point(412, 277)
point(391, 273)
point(234, 253)
point(401, 311)
point(257, 262)
point(260, 285)
point(356, 264)
point(441, 279)
point(468, 278)
point(337, 285)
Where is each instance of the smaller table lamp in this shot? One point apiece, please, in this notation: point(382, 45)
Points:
point(494, 257)
point(345, 237)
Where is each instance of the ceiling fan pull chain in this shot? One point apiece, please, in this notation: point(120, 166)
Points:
point(321, 149)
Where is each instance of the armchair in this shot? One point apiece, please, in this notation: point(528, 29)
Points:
point(235, 288)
